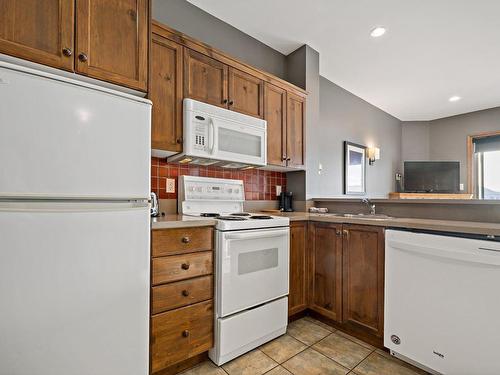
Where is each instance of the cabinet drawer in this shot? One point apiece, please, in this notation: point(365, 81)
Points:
point(180, 267)
point(180, 334)
point(181, 293)
point(181, 240)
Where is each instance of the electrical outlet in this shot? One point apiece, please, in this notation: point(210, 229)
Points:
point(170, 185)
point(278, 190)
point(462, 188)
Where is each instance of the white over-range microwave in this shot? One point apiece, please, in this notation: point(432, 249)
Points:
point(219, 137)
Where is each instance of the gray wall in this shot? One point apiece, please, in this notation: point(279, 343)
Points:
point(447, 137)
point(415, 140)
point(191, 20)
point(345, 117)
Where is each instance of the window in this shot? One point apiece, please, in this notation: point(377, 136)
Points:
point(486, 162)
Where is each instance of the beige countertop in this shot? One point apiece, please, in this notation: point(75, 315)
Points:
point(471, 227)
point(180, 221)
point(456, 226)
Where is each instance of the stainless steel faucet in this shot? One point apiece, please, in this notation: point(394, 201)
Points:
point(370, 205)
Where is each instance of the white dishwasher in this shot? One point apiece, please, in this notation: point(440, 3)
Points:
point(442, 301)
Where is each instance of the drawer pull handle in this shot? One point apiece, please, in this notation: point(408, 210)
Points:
point(185, 333)
point(185, 266)
point(186, 239)
point(185, 293)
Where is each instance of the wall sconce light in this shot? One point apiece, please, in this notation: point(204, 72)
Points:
point(373, 153)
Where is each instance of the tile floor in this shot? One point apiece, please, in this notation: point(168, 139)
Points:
point(311, 347)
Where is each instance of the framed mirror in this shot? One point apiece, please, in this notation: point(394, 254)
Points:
point(354, 169)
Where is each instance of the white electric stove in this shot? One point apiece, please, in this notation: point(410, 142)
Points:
point(252, 262)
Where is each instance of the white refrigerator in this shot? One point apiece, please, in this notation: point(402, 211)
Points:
point(74, 227)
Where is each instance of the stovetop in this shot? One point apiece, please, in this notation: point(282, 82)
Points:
point(243, 220)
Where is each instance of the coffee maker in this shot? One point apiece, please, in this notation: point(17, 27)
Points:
point(285, 204)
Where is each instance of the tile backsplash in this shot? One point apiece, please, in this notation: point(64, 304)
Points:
point(259, 185)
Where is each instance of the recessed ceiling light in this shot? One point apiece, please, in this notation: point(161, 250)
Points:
point(454, 98)
point(378, 31)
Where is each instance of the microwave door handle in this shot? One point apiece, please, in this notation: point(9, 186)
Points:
point(251, 236)
point(211, 136)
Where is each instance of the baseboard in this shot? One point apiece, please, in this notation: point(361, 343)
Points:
point(184, 365)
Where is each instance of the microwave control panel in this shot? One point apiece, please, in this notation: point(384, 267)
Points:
point(200, 133)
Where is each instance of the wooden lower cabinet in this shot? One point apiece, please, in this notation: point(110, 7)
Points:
point(325, 243)
point(180, 334)
point(363, 278)
point(182, 313)
point(345, 275)
point(297, 298)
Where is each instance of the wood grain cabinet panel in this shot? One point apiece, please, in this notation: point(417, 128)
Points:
point(38, 30)
point(295, 130)
point(179, 334)
point(363, 278)
point(297, 298)
point(180, 267)
point(326, 269)
point(112, 41)
point(166, 94)
point(181, 240)
point(181, 293)
point(246, 93)
point(205, 79)
point(275, 115)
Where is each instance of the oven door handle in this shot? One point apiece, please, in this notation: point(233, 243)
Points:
point(251, 236)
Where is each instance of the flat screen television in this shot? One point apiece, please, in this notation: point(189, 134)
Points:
point(432, 176)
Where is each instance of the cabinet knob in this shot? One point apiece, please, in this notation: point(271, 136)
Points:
point(185, 333)
point(339, 233)
point(186, 239)
point(67, 51)
point(224, 101)
point(288, 159)
point(231, 102)
point(185, 293)
point(179, 140)
point(185, 266)
point(82, 57)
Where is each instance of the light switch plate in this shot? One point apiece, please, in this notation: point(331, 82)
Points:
point(170, 185)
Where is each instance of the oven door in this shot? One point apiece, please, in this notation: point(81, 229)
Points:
point(252, 268)
point(237, 142)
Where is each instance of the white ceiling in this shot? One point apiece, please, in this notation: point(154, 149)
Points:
point(433, 49)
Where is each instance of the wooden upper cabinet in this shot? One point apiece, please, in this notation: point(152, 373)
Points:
point(246, 93)
point(297, 298)
point(326, 269)
point(38, 30)
point(275, 115)
point(205, 79)
point(295, 130)
point(363, 278)
point(166, 94)
point(112, 41)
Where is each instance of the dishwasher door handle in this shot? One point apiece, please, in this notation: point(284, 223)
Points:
point(479, 257)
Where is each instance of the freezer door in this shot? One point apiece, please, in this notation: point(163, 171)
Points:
point(74, 289)
point(62, 138)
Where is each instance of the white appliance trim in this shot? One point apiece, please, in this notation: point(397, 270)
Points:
point(73, 81)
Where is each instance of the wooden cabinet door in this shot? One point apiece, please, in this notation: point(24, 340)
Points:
point(112, 41)
point(297, 298)
point(166, 94)
point(246, 93)
point(363, 278)
point(275, 115)
point(205, 79)
point(295, 130)
point(326, 269)
point(38, 30)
